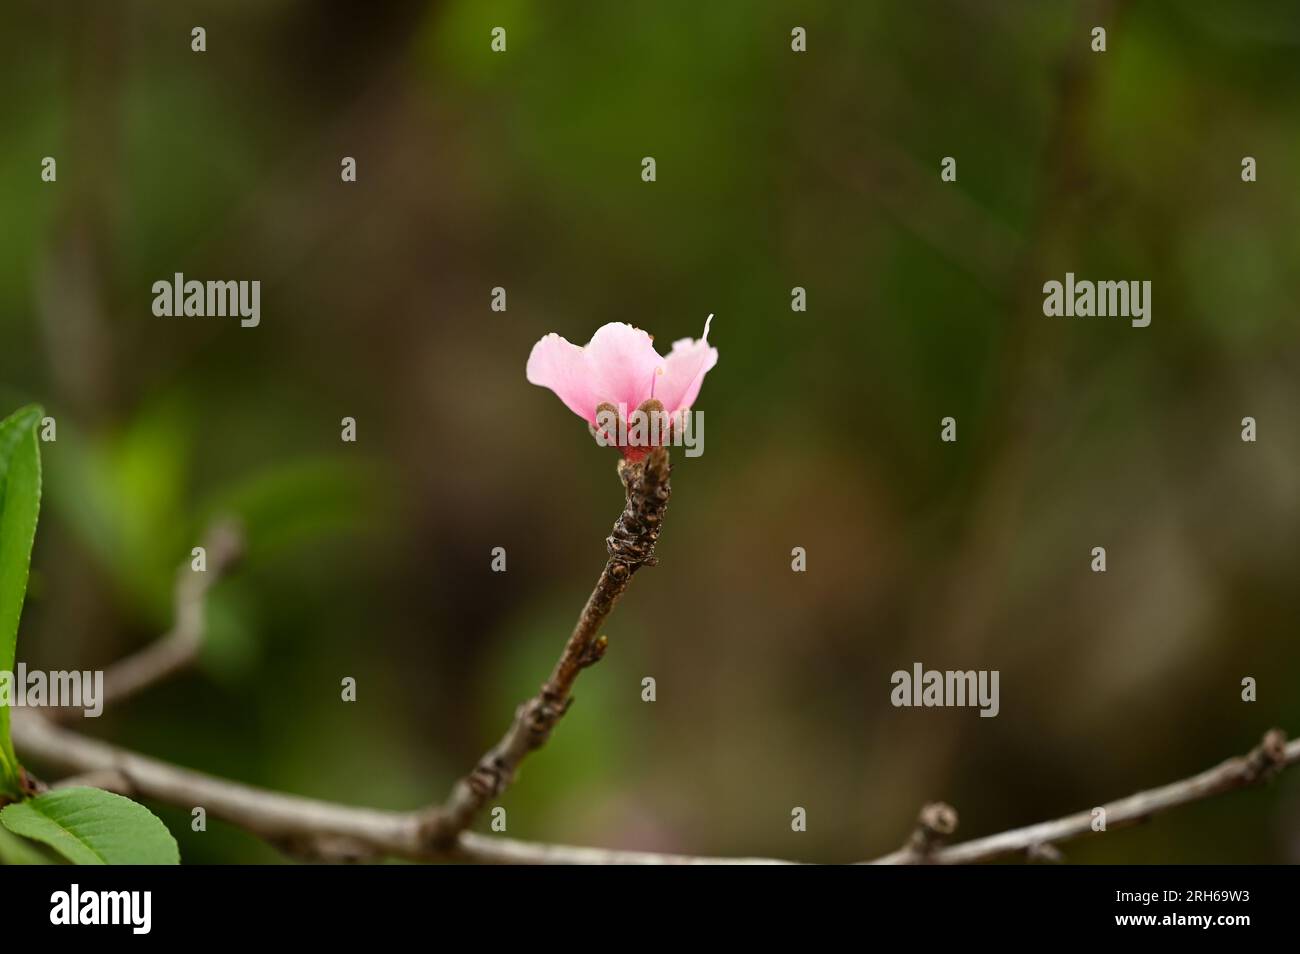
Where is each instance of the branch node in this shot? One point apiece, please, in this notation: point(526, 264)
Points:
point(934, 824)
point(1044, 853)
point(595, 652)
point(1268, 758)
point(30, 784)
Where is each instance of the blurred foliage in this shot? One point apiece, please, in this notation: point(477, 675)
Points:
point(775, 169)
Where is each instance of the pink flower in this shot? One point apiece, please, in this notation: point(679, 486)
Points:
point(620, 367)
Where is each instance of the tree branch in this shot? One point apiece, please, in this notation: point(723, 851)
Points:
point(300, 826)
point(329, 831)
point(494, 850)
point(179, 647)
point(631, 546)
point(325, 830)
point(1272, 755)
point(321, 829)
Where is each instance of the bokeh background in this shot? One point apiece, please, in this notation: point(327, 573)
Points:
point(775, 169)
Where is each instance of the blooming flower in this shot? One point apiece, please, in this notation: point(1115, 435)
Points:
point(620, 368)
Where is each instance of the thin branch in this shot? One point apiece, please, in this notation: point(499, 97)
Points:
point(631, 546)
point(324, 830)
point(301, 826)
point(111, 780)
point(329, 831)
point(179, 647)
point(494, 850)
point(1272, 755)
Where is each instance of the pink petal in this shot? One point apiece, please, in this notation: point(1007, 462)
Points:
point(617, 366)
point(556, 364)
point(623, 362)
point(684, 371)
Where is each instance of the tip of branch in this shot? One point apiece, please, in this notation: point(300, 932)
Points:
point(224, 543)
point(645, 475)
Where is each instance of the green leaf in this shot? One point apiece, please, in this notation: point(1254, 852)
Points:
point(20, 501)
point(20, 851)
point(90, 826)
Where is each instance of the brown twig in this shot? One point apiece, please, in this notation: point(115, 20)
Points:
point(329, 831)
point(1268, 758)
point(320, 829)
point(301, 825)
point(935, 823)
point(631, 546)
point(179, 647)
point(223, 544)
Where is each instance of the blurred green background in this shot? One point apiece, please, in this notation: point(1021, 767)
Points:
point(775, 169)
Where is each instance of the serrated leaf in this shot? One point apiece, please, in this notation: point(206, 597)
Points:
point(20, 502)
point(90, 826)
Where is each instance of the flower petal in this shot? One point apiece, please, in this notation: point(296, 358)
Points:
point(684, 371)
point(623, 364)
point(556, 364)
point(617, 366)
